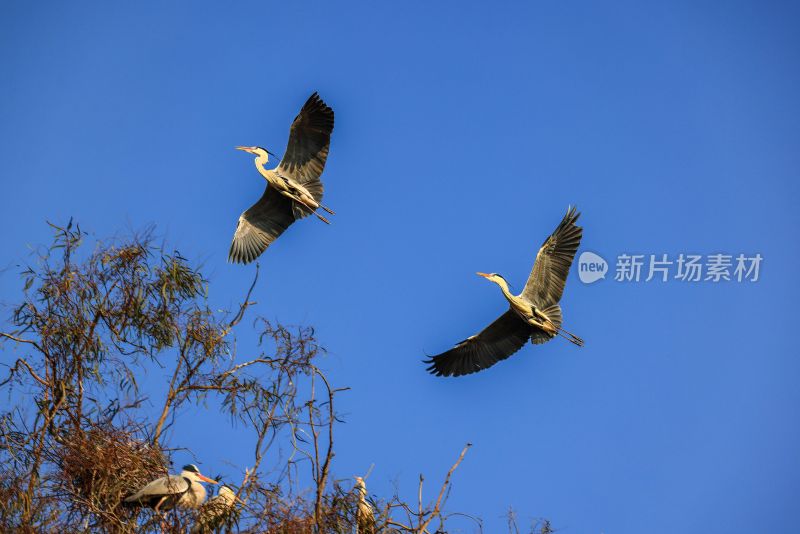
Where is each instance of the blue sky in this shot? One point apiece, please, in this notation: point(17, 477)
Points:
point(462, 133)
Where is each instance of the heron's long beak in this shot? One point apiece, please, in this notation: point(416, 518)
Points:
point(483, 275)
point(245, 148)
point(206, 479)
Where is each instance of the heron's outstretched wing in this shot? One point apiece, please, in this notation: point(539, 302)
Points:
point(160, 487)
point(505, 336)
point(545, 285)
point(309, 140)
point(260, 225)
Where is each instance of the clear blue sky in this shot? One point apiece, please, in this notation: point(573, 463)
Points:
point(462, 133)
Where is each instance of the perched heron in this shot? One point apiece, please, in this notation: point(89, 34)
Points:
point(165, 493)
point(215, 512)
point(365, 516)
point(534, 314)
point(294, 189)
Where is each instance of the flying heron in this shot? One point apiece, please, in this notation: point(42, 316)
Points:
point(214, 513)
point(165, 493)
point(294, 189)
point(534, 314)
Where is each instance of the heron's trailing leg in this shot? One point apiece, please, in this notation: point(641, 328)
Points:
point(572, 338)
point(327, 209)
point(312, 209)
point(548, 326)
point(575, 339)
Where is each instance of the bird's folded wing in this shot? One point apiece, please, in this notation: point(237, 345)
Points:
point(171, 485)
point(545, 285)
point(260, 225)
point(309, 140)
point(496, 342)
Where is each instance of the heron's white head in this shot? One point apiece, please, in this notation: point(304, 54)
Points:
point(360, 486)
point(228, 495)
point(260, 153)
point(191, 472)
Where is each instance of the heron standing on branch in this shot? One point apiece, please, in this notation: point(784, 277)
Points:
point(365, 516)
point(294, 189)
point(534, 314)
point(165, 493)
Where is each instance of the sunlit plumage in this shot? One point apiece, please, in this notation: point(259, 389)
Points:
point(184, 490)
point(294, 189)
point(365, 516)
point(533, 315)
point(215, 512)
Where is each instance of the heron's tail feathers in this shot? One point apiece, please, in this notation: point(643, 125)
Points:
point(303, 208)
point(553, 314)
point(130, 501)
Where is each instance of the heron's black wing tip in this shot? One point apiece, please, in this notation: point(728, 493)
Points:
point(432, 367)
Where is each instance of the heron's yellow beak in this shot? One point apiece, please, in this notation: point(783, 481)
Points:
point(483, 275)
point(245, 148)
point(206, 479)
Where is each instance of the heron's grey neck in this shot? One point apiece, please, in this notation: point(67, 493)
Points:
point(199, 492)
point(260, 161)
point(504, 287)
point(197, 489)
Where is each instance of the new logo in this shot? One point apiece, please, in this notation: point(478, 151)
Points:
point(591, 267)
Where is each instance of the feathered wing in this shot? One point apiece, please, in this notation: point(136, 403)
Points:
point(260, 225)
point(505, 336)
point(150, 494)
point(546, 283)
point(309, 141)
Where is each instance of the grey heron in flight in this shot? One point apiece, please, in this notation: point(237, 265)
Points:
point(215, 512)
point(184, 490)
point(294, 189)
point(533, 315)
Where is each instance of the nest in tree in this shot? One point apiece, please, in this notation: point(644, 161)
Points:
point(103, 465)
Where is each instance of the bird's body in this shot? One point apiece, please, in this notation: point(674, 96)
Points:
point(365, 516)
point(215, 512)
point(285, 185)
point(526, 309)
point(165, 493)
point(534, 314)
point(294, 189)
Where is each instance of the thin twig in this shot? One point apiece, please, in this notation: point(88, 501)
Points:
point(20, 340)
point(437, 507)
point(30, 370)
